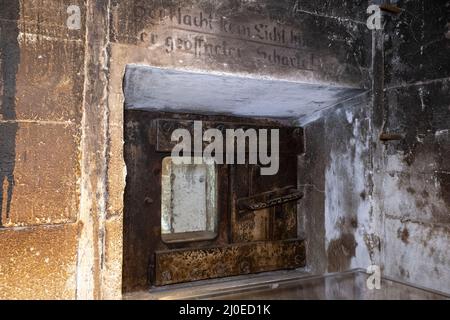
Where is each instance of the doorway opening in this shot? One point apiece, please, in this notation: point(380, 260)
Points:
point(187, 223)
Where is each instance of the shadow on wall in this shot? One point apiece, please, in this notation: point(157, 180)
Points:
point(9, 62)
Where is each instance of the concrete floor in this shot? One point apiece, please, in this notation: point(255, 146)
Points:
point(291, 285)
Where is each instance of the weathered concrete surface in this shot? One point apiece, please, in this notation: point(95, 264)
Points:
point(61, 120)
point(415, 190)
point(337, 210)
point(42, 89)
point(41, 84)
point(38, 263)
point(416, 46)
point(143, 33)
point(61, 128)
point(99, 262)
point(405, 217)
point(46, 18)
point(45, 175)
point(41, 92)
point(49, 81)
point(412, 175)
point(267, 38)
point(177, 91)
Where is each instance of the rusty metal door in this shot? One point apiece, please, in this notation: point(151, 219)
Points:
point(256, 215)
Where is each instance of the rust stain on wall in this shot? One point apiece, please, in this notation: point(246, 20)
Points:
point(403, 234)
point(340, 253)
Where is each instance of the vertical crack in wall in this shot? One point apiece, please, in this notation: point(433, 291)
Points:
point(378, 120)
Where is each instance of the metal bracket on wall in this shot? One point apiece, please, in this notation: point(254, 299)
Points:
point(386, 136)
point(390, 8)
point(269, 199)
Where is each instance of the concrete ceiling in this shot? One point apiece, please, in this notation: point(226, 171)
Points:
point(150, 88)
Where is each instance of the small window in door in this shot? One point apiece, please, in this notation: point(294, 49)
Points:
point(188, 200)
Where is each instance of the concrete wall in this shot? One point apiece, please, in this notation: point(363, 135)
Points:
point(62, 105)
point(337, 178)
point(334, 38)
point(61, 129)
point(57, 237)
point(41, 96)
point(387, 201)
point(413, 176)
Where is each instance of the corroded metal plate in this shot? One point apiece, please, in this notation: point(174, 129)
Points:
point(198, 264)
